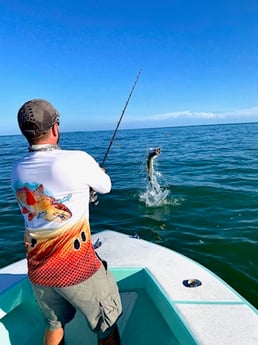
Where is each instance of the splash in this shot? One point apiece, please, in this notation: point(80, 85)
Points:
point(159, 197)
point(154, 195)
point(153, 198)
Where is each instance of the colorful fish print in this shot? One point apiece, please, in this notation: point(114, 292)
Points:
point(35, 203)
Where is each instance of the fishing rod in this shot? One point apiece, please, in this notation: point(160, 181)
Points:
point(118, 124)
point(93, 194)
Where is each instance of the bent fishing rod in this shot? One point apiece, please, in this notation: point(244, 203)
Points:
point(93, 195)
point(120, 119)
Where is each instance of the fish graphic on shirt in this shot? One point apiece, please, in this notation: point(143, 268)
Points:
point(35, 203)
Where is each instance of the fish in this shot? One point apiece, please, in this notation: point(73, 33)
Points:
point(36, 203)
point(151, 156)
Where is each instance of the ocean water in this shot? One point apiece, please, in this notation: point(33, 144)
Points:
point(205, 205)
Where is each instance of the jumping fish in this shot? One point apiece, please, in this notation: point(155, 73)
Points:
point(153, 154)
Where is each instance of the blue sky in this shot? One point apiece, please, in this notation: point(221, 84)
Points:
point(199, 61)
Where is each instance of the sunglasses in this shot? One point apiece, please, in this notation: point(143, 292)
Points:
point(57, 119)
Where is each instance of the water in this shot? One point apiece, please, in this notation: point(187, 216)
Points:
point(205, 207)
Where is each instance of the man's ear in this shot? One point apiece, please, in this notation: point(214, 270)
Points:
point(55, 130)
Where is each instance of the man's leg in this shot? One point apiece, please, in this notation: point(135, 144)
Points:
point(55, 337)
point(112, 339)
point(57, 311)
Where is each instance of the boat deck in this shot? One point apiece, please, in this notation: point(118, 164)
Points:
point(214, 312)
point(158, 307)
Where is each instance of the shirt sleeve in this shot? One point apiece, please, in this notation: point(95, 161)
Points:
point(93, 174)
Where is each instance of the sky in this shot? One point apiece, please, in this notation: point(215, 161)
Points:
point(199, 61)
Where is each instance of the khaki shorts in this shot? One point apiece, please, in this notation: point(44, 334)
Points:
point(97, 298)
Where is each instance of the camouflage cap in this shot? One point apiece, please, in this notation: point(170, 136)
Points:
point(36, 116)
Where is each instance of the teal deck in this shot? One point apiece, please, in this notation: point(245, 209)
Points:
point(148, 318)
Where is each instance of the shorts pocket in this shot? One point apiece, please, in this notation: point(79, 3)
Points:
point(110, 309)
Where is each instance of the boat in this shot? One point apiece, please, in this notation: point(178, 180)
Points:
point(167, 299)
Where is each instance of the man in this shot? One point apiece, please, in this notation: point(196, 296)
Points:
point(52, 189)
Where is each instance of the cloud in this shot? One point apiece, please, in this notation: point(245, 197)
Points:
point(184, 114)
point(188, 117)
point(248, 112)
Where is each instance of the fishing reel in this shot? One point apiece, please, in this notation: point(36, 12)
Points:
point(93, 198)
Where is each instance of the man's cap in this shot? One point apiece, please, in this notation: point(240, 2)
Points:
point(36, 116)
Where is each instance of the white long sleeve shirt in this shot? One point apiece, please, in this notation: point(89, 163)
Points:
point(52, 189)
